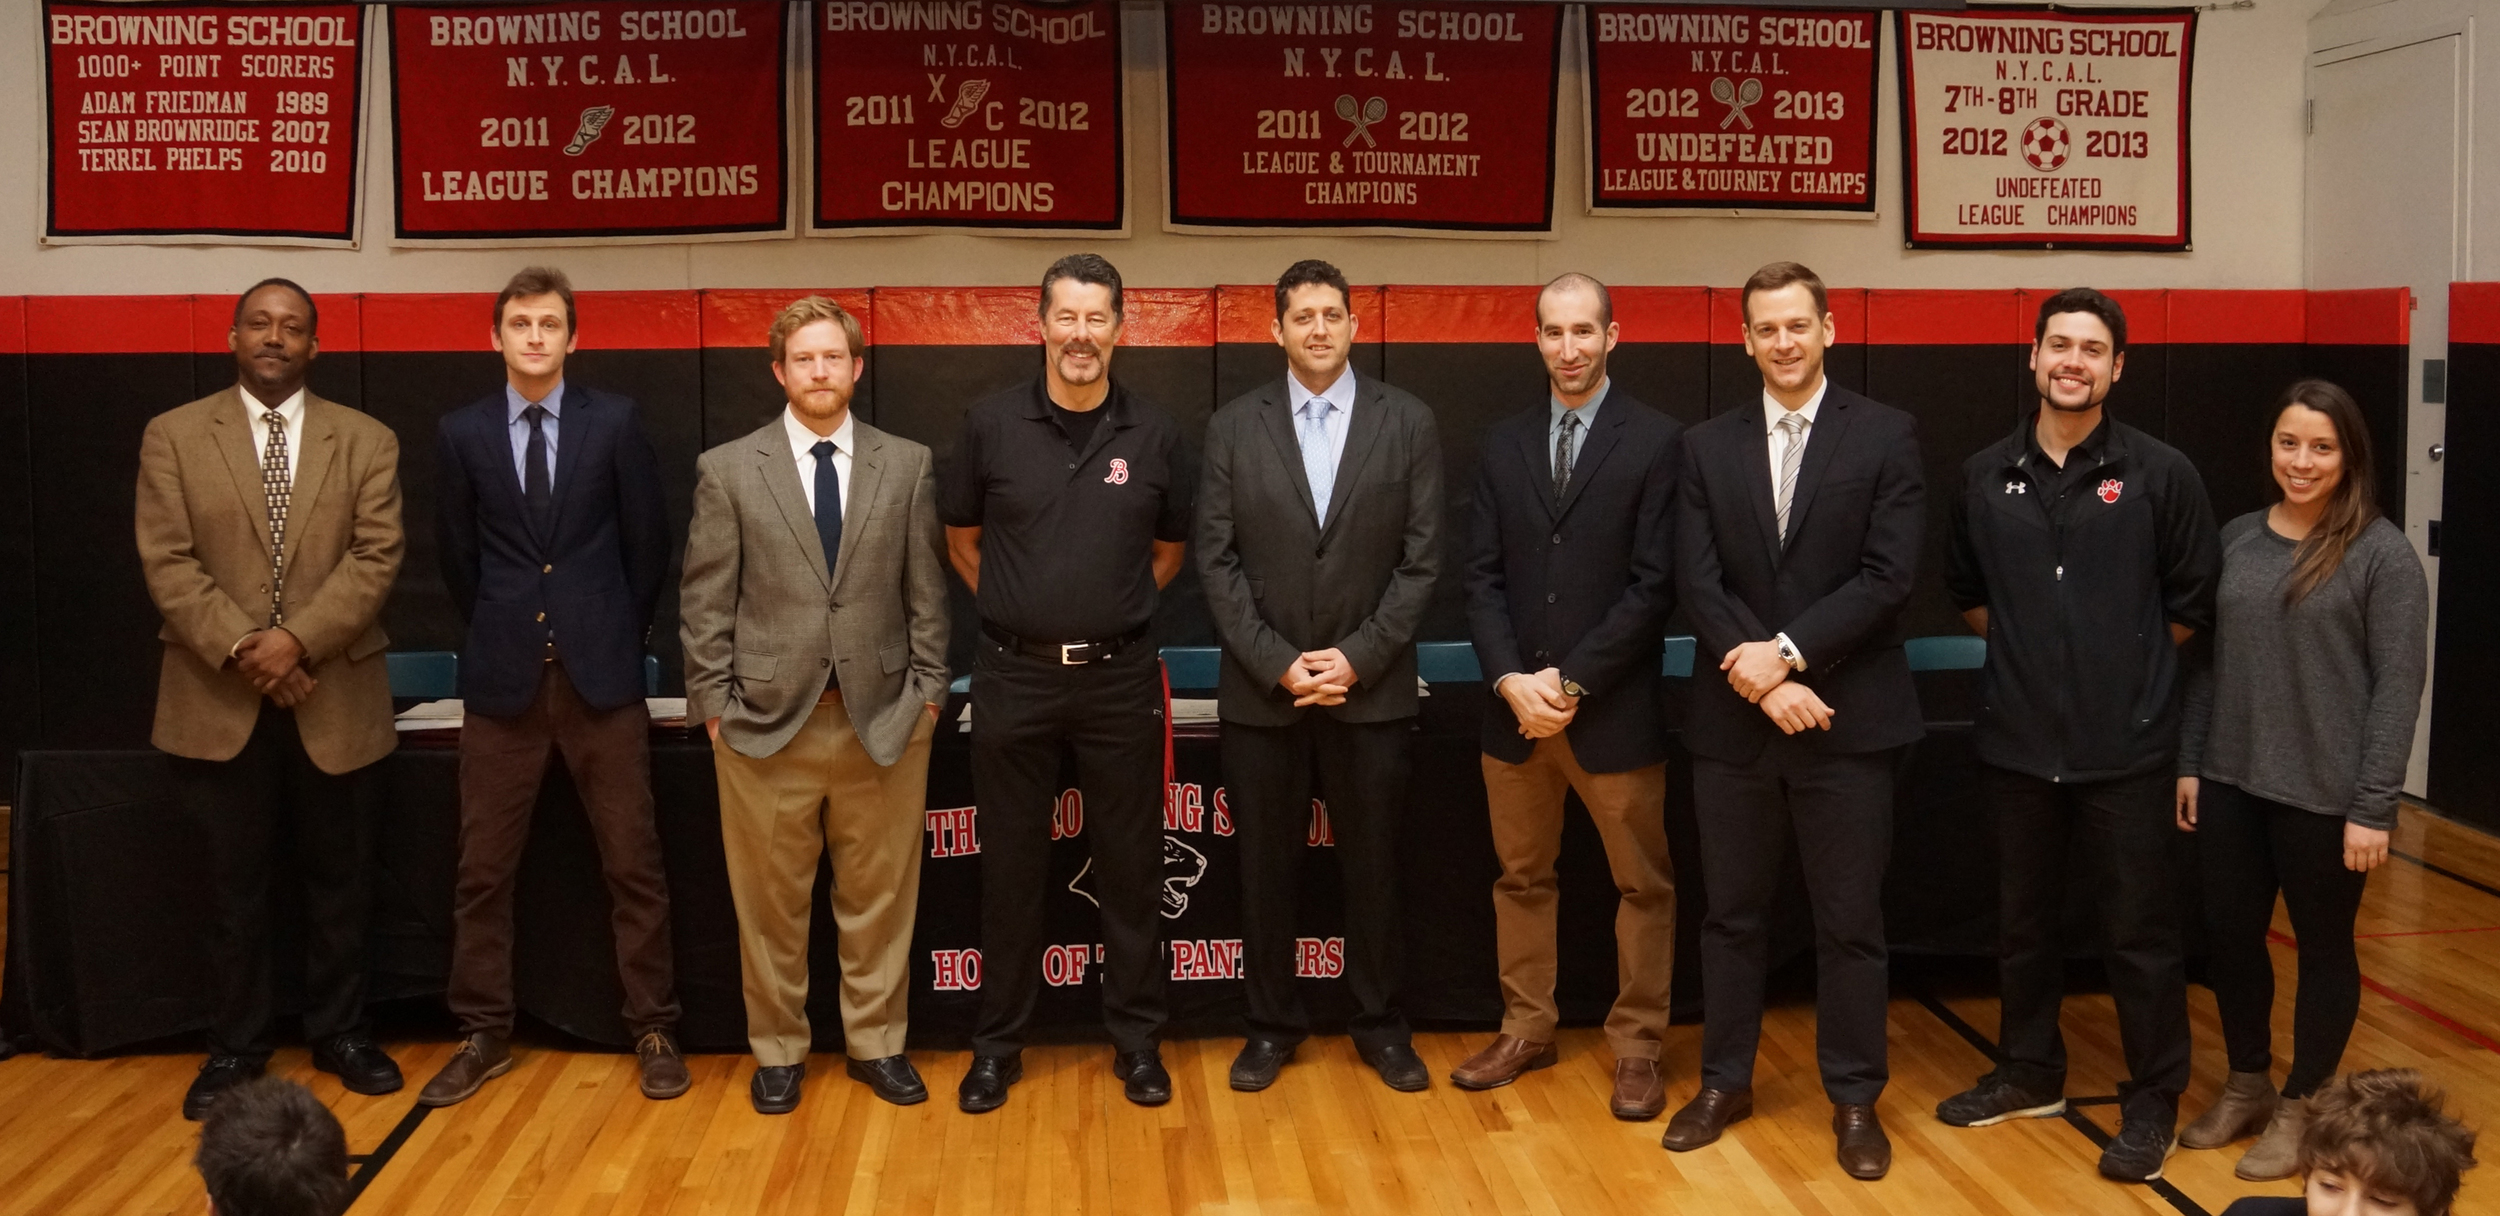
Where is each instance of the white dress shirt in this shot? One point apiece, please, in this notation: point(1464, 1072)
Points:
point(1772, 412)
point(1337, 411)
point(802, 439)
point(292, 410)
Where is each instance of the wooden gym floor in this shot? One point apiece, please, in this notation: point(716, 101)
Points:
point(568, 1133)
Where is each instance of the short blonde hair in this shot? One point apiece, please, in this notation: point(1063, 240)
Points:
point(801, 313)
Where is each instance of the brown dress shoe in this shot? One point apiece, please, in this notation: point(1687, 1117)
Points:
point(480, 1058)
point(663, 1069)
point(1708, 1114)
point(1640, 1090)
point(1501, 1063)
point(1865, 1153)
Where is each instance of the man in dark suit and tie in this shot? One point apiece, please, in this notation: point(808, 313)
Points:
point(1569, 582)
point(553, 542)
point(1319, 522)
point(1798, 526)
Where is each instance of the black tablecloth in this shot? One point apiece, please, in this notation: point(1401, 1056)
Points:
point(107, 949)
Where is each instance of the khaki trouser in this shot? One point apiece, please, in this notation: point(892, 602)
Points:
point(778, 815)
point(1630, 812)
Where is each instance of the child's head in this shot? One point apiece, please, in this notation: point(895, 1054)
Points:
point(2377, 1143)
point(269, 1148)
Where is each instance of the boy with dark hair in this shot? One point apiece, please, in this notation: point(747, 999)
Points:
point(269, 1148)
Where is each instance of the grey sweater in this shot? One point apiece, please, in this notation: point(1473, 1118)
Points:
point(2311, 705)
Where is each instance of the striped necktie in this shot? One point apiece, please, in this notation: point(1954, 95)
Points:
point(1792, 455)
point(278, 486)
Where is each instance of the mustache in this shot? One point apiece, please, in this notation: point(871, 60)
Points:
point(1081, 346)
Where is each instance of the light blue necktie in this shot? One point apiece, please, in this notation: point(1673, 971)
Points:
point(1319, 462)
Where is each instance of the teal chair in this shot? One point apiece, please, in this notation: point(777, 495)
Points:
point(650, 675)
point(1192, 667)
point(1678, 660)
point(1946, 653)
point(426, 675)
point(1447, 663)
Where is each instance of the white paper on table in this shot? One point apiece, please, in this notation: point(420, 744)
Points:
point(1193, 711)
point(666, 709)
point(430, 715)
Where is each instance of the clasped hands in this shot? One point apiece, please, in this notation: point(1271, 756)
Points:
point(1758, 674)
point(1537, 699)
point(273, 660)
point(1318, 677)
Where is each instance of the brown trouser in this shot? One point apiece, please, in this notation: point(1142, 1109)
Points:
point(502, 761)
point(1631, 816)
point(777, 816)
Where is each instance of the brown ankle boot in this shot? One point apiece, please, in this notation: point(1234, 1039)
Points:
point(2247, 1101)
point(2276, 1155)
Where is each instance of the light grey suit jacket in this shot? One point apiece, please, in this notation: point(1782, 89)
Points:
point(764, 623)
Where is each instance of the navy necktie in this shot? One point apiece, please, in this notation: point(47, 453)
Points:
point(534, 484)
point(828, 503)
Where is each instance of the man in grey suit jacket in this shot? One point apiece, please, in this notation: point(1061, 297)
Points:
point(819, 715)
point(1319, 523)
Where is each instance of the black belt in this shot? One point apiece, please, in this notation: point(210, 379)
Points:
point(1068, 654)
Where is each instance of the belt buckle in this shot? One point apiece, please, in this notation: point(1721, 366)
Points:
point(1067, 652)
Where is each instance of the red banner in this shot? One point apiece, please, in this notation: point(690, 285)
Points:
point(965, 114)
point(590, 121)
point(1362, 116)
point(202, 123)
point(1730, 107)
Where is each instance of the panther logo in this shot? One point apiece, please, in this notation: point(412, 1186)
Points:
point(1183, 868)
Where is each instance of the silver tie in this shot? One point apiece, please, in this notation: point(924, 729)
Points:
point(1792, 454)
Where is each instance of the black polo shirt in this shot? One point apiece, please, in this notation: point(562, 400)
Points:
point(2082, 570)
point(1067, 532)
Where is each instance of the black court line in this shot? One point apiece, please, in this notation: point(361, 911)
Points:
point(2445, 872)
point(2074, 1118)
point(373, 1163)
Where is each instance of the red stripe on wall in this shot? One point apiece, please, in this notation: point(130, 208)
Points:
point(2238, 317)
point(428, 321)
point(1943, 318)
point(12, 325)
point(1009, 316)
point(1497, 314)
point(2474, 313)
point(107, 325)
point(1662, 314)
point(745, 318)
point(638, 320)
point(2379, 316)
point(342, 323)
point(2147, 309)
point(1727, 314)
point(1247, 313)
point(1168, 316)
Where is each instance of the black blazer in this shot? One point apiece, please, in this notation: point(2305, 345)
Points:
point(1836, 588)
point(596, 578)
point(1278, 583)
point(1585, 586)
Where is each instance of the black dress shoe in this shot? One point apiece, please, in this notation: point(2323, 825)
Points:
point(775, 1089)
point(1259, 1062)
point(218, 1075)
point(1399, 1067)
point(1148, 1084)
point(985, 1084)
point(892, 1077)
point(361, 1066)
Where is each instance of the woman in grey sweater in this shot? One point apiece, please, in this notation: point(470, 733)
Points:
point(2292, 753)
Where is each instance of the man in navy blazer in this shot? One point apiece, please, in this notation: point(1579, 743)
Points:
point(1569, 582)
point(554, 544)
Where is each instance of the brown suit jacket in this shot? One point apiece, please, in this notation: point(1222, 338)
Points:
point(203, 528)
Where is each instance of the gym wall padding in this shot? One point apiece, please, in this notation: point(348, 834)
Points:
point(2465, 666)
point(2202, 368)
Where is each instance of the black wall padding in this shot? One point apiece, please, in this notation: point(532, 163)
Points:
point(20, 689)
point(2220, 417)
point(2380, 379)
point(2464, 766)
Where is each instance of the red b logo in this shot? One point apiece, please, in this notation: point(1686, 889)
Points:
point(2110, 489)
point(1119, 473)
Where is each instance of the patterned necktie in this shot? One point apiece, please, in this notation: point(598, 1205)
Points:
point(1792, 455)
point(278, 486)
point(1318, 460)
point(828, 503)
point(535, 487)
point(1562, 454)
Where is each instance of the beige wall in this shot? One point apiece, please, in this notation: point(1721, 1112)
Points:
point(2247, 147)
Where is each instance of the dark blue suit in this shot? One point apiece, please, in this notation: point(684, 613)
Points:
point(596, 576)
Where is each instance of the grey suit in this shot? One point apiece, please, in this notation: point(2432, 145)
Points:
point(803, 766)
point(1280, 581)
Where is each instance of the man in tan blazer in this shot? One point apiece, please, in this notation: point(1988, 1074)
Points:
point(814, 617)
point(268, 529)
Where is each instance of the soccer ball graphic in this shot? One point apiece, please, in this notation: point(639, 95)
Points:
point(2045, 144)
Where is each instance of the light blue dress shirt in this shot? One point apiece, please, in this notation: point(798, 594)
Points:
point(1319, 423)
point(519, 428)
point(1588, 418)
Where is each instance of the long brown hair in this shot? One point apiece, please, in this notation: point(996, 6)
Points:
point(2354, 506)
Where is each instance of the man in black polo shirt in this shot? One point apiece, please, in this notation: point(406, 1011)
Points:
point(1066, 511)
point(2084, 550)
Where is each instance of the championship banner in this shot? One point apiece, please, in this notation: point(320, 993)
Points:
point(1004, 116)
point(579, 123)
point(1380, 118)
point(2032, 129)
point(202, 124)
point(1757, 109)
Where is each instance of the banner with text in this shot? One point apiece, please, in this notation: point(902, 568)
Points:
point(1361, 117)
point(202, 124)
point(968, 115)
point(1730, 108)
point(589, 122)
point(2031, 129)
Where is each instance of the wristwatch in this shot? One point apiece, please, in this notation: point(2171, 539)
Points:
point(1571, 688)
point(1789, 654)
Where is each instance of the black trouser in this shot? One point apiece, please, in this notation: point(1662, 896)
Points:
point(1361, 773)
point(1838, 809)
point(271, 802)
point(1111, 712)
point(2248, 848)
point(2122, 829)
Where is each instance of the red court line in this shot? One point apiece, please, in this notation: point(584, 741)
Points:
point(2460, 1029)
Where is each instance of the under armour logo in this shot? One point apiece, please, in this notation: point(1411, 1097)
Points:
point(1119, 473)
point(2016, 487)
